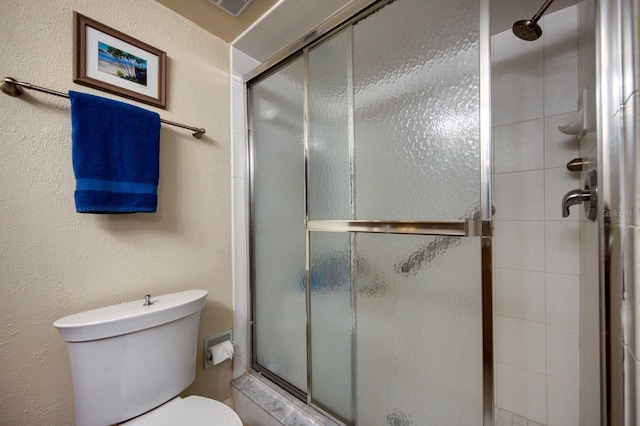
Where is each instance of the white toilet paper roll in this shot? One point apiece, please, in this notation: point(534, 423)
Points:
point(221, 352)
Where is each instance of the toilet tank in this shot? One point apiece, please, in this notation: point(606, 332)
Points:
point(127, 359)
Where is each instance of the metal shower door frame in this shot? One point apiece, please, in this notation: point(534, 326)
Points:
point(617, 52)
point(481, 227)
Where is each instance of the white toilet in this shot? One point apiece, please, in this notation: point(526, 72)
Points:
point(130, 361)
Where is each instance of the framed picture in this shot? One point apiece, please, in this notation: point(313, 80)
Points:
point(111, 61)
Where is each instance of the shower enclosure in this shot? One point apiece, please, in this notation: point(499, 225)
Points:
point(371, 217)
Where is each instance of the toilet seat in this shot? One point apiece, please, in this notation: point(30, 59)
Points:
point(192, 410)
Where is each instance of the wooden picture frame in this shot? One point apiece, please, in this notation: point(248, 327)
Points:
point(109, 60)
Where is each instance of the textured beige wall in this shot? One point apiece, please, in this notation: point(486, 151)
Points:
point(55, 262)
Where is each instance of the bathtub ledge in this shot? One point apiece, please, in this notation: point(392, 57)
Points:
point(275, 402)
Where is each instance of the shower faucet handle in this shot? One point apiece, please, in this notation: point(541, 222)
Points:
point(571, 198)
point(586, 196)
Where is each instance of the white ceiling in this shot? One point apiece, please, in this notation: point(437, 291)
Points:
point(215, 20)
point(290, 20)
point(286, 22)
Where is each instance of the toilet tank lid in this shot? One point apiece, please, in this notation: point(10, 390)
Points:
point(129, 317)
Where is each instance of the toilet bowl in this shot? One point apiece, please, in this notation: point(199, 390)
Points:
point(129, 362)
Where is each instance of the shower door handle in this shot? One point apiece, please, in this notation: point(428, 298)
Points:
point(586, 196)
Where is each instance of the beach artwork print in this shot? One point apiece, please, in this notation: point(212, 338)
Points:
point(122, 64)
point(111, 61)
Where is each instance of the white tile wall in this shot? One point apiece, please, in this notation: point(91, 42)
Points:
point(560, 289)
point(562, 246)
point(562, 353)
point(521, 343)
point(518, 97)
point(520, 195)
point(561, 38)
point(520, 294)
point(537, 257)
point(563, 402)
point(519, 146)
point(561, 87)
point(519, 244)
point(522, 392)
point(559, 148)
point(513, 55)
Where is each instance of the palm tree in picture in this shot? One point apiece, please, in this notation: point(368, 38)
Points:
point(130, 66)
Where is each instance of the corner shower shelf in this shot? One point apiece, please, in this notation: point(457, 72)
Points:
point(578, 126)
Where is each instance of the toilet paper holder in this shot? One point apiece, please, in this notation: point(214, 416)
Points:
point(211, 341)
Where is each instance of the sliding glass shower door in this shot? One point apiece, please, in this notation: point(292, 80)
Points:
point(371, 229)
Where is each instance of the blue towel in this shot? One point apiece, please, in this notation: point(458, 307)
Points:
point(116, 152)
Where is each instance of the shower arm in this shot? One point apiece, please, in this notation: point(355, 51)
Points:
point(542, 10)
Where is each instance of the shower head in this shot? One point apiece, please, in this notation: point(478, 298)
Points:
point(529, 30)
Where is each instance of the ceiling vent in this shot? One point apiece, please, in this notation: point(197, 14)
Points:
point(232, 7)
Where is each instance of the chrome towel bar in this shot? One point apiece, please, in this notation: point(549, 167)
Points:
point(13, 87)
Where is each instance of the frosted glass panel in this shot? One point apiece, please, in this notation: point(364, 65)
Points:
point(332, 323)
point(419, 330)
point(278, 214)
point(416, 79)
point(329, 150)
point(396, 333)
